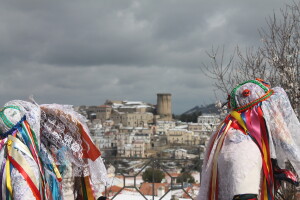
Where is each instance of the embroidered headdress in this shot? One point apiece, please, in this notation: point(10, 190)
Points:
point(248, 94)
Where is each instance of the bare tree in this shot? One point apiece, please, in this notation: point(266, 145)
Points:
point(219, 71)
point(281, 49)
point(277, 61)
point(228, 72)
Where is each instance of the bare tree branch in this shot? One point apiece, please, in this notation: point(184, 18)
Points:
point(277, 61)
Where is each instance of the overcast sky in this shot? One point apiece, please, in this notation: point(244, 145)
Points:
point(84, 52)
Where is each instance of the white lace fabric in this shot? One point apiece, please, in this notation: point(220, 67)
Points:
point(284, 128)
point(236, 175)
point(32, 112)
point(59, 141)
point(58, 132)
point(60, 128)
point(21, 190)
point(239, 162)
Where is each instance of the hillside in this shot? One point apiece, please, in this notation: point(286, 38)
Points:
point(202, 109)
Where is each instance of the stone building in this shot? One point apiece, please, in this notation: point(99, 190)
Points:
point(197, 128)
point(132, 119)
point(180, 136)
point(135, 149)
point(180, 154)
point(208, 123)
point(164, 107)
point(104, 112)
point(162, 127)
point(133, 142)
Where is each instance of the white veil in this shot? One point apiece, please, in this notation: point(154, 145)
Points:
point(284, 128)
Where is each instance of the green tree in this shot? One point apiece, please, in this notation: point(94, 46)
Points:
point(153, 175)
point(189, 117)
point(186, 177)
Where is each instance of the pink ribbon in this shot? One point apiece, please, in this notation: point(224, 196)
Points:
point(253, 124)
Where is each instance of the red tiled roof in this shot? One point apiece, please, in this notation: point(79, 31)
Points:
point(119, 176)
point(188, 189)
point(146, 188)
point(113, 190)
point(104, 106)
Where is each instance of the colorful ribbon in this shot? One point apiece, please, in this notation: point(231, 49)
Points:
point(213, 182)
point(254, 121)
point(20, 164)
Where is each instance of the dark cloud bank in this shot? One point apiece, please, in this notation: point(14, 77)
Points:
point(84, 52)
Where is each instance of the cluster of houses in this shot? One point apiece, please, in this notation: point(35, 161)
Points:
point(134, 129)
point(138, 130)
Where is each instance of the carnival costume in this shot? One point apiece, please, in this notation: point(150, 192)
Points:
point(244, 156)
point(40, 146)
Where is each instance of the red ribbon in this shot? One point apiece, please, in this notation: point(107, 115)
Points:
point(89, 149)
point(258, 131)
point(32, 186)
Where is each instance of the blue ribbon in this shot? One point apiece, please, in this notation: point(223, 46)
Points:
point(12, 130)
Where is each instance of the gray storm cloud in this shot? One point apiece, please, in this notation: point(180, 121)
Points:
point(76, 52)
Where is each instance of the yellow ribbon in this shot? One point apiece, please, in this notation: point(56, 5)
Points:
point(239, 119)
point(7, 169)
point(17, 144)
point(215, 161)
point(17, 156)
point(89, 189)
point(57, 173)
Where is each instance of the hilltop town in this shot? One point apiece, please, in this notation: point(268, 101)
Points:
point(139, 129)
point(130, 132)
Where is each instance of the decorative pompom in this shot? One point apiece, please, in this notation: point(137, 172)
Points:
point(246, 93)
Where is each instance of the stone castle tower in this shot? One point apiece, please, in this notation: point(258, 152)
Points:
point(164, 106)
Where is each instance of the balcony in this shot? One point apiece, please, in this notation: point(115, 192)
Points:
point(181, 178)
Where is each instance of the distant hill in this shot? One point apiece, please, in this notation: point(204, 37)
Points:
point(203, 109)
